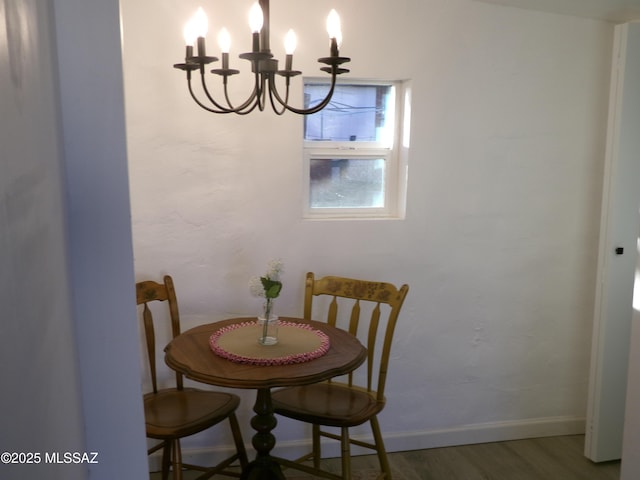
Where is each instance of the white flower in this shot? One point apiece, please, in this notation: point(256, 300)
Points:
point(255, 286)
point(274, 270)
point(269, 285)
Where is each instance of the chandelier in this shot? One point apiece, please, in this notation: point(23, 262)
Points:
point(263, 66)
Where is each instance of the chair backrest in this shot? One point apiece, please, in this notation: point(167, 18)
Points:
point(361, 292)
point(148, 292)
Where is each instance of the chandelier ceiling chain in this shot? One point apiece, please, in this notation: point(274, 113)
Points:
point(263, 66)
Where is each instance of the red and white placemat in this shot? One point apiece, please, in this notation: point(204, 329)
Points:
point(297, 343)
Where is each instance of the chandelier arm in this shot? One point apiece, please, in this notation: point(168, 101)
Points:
point(315, 108)
point(253, 101)
point(257, 96)
point(246, 110)
point(210, 97)
point(272, 87)
point(262, 92)
point(200, 104)
point(242, 109)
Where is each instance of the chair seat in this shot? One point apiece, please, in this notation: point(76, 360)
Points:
point(331, 404)
point(172, 413)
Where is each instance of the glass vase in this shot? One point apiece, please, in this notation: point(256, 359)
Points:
point(268, 323)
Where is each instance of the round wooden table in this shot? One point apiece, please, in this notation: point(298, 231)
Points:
point(190, 354)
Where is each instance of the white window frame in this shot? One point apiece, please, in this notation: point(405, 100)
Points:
point(395, 157)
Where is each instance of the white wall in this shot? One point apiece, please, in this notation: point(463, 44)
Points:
point(68, 338)
point(499, 243)
point(101, 257)
point(40, 400)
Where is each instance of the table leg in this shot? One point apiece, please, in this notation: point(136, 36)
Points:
point(264, 467)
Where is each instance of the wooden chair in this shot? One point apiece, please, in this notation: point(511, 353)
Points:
point(347, 403)
point(175, 413)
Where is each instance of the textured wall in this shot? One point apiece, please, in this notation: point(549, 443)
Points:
point(499, 243)
point(40, 384)
point(99, 232)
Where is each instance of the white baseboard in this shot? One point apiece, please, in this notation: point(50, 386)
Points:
point(398, 442)
point(485, 432)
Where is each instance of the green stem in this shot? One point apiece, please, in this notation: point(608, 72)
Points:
point(267, 314)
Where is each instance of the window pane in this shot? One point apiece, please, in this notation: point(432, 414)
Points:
point(347, 183)
point(356, 113)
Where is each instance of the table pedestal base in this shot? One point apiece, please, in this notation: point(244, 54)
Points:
point(264, 467)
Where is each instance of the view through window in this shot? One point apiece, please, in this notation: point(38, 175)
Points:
point(351, 153)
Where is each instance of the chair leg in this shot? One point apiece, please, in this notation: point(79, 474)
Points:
point(166, 458)
point(237, 438)
point(315, 444)
point(177, 460)
point(346, 454)
point(382, 454)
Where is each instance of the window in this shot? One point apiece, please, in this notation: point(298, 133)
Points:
point(352, 154)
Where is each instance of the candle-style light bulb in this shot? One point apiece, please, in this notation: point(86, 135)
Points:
point(224, 40)
point(333, 25)
point(189, 33)
point(190, 36)
point(290, 42)
point(256, 19)
point(200, 24)
point(335, 31)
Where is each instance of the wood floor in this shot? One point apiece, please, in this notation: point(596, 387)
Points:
point(550, 458)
